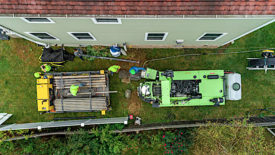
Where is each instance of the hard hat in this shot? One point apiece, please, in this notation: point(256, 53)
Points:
point(37, 75)
point(132, 71)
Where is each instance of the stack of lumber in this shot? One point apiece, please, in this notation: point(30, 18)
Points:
point(65, 82)
point(81, 104)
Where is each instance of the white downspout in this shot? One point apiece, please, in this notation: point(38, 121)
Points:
point(22, 36)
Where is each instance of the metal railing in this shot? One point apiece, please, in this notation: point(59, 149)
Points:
point(71, 123)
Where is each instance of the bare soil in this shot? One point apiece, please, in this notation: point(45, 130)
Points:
point(134, 104)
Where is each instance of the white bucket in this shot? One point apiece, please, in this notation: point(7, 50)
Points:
point(115, 54)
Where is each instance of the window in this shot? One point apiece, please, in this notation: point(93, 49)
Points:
point(106, 20)
point(82, 35)
point(155, 36)
point(38, 20)
point(210, 36)
point(42, 35)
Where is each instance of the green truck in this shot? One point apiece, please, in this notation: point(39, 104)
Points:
point(189, 88)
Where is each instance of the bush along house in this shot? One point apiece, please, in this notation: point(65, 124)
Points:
point(139, 23)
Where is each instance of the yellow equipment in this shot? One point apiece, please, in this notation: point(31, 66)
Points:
point(53, 92)
point(44, 94)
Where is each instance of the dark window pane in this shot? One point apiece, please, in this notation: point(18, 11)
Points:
point(45, 20)
point(210, 36)
point(156, 35)
point(43, 35)
point(107, 20)
point(83, 36)
point(155, 38)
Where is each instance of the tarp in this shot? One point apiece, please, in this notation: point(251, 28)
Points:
point(50, 55)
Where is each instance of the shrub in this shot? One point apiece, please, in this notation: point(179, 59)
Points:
point(97, 51)
point(236, 138)
point(176, 142)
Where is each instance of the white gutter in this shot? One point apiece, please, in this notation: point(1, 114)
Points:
point(249, 32)
point(22, 36)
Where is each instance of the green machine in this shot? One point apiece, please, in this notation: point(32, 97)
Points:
point(189, 88)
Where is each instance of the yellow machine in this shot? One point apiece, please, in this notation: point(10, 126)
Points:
point(44, 94)
point(54, 96)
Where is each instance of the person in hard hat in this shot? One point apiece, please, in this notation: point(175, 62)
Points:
point(267, 53)
point(134, 70)
point(37, 75)
point(46, 68)
point(114, 69)
point(74, 89)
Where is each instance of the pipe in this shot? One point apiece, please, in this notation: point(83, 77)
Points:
point(108, 58)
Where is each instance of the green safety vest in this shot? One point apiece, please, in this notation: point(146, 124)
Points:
point(74, 89)
point(114, 68)
point(48, 68)
point(37, 75)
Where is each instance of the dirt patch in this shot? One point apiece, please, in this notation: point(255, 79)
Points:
point(134, 104)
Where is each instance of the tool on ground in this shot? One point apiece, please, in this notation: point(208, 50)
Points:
point(266, 63)
point(53, 92)
point(189, 88)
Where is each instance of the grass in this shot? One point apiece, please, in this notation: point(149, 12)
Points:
point(19, 60)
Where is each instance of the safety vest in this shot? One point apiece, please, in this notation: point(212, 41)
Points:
point(114, 68)
point(74, 89)
point(48, 68)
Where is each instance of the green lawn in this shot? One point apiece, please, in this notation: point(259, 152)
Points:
point(19, 60)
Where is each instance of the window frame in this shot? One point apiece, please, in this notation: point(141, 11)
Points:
point(96, 22)
point(71, 34)
point(29, 33)
point(223, 34)
point(163, 39)
point(51, 21)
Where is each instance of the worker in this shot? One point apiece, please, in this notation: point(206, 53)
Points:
point(46, 68)
point(78, 53)
point(75, 88)
point(267, 53)
point(114, 69)
point(134, 70)
point(37, 75)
